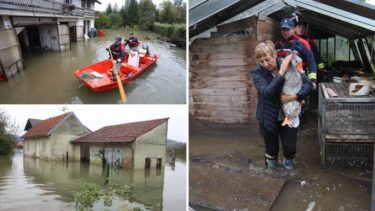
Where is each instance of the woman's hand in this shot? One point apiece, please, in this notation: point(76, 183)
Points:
point(285, 64)
point(287, 98)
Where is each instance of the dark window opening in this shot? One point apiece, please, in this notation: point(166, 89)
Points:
point(148, 163)
point(158, 163)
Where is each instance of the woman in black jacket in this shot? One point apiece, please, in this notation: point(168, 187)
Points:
point(268, 76)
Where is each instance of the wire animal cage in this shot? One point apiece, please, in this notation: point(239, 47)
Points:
point(346, 127)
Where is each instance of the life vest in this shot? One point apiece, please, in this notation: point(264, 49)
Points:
point(133, 41)
point(119, 50)
point(302, 48)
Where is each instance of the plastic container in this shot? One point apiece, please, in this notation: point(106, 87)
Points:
point(133, 59)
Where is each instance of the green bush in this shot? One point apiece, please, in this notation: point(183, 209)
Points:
point(176, 31)
point(89, 193)
point(179, 31)
point(103, 21)
point(116, 20)
point(6, 144)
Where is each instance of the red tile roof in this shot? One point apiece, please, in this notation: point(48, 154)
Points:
point(44, 127)
point(120, 133)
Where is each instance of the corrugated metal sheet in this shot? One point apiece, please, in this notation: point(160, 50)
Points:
point(213, 12)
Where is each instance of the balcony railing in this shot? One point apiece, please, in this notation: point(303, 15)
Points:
point(46, 6)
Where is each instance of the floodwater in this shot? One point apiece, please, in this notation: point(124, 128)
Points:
point(27, 183)
point(309, 187)
point(48, 77)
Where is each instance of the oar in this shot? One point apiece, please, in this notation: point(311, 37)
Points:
point(120, 87)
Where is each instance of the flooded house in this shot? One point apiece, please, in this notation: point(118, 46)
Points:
point(41, 24)
point(132, 145)
point(50, 139)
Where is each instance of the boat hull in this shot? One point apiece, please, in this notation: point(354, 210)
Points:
point(98, 76)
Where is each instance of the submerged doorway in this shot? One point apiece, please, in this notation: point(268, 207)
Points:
point(33, 35)
point(85, 153)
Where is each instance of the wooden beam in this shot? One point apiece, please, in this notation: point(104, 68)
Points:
point(236, 26)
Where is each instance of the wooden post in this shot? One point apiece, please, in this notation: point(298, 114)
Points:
point(106, 169)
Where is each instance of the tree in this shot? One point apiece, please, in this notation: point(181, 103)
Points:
point(178, 3)
point(124, 13)
point(109, 9)
point(146, 12)
point(115, 8)
point(180, 11)
point(167, 12)
point(132, 12)
point(103, 21)
point(6, 129)
point(116, 20)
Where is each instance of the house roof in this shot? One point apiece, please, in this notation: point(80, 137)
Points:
point(44, 127)
point(349, 18)
point(31, 123)
point(122, 133)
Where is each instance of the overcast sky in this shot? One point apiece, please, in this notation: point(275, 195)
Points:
point(120, 3)
point(97, 116)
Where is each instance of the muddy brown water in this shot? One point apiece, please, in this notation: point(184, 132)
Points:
point(27, 183)
point(49, 78)
point(308, 185)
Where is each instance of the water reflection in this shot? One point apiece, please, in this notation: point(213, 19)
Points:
point(50, 185)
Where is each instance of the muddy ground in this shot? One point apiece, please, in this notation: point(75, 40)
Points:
point(239, 151)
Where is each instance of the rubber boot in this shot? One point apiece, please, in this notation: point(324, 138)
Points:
point(289, 164)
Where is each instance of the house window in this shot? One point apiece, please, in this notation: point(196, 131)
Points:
point(147, 163)
point(44, 143)
point(158, 163)
point(83, 3)
point(68, 1)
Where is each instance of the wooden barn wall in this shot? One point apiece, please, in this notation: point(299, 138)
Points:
point(221, 86)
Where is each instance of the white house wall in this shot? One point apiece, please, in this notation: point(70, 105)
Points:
point(64, 37)
point(71, 126)
point(152, 144)
point(80, 26)
point(60, 145)
point(29, 148)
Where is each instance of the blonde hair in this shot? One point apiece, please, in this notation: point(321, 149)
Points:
point(265, 48)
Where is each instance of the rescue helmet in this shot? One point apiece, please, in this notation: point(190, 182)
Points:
point(118, 38)
point(145, 46)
